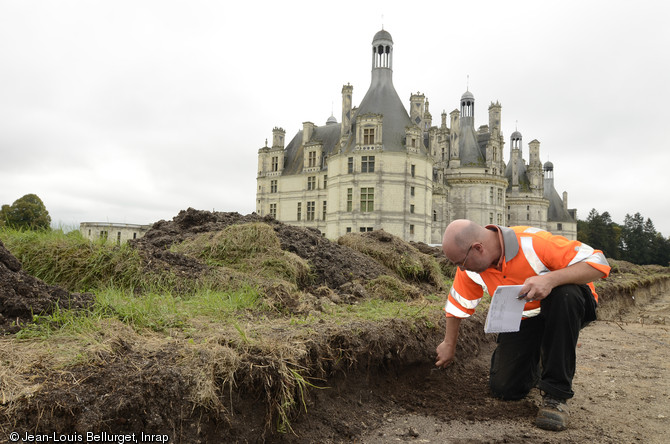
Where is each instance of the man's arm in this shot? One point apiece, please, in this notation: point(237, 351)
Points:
point(539, 287)
point(447, 348)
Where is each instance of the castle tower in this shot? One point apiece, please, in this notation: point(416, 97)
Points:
point(516, 165)
point(525, 202)
point(469, 150)
point(495, 116)
point(560, 220)
point(382, 99)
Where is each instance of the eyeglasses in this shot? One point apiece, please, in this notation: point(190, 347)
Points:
point(462, 264)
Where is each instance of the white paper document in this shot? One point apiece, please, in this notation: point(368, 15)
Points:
point(505, 310)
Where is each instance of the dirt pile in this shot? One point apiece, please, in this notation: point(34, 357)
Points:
point(331, 265)
point(22, 296)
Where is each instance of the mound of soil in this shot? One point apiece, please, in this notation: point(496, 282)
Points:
point(22, 296)
point(331, 265)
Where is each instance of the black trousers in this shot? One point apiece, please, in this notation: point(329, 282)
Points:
point(542, 352)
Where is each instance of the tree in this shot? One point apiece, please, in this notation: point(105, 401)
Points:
point(27, 212)
point(598, 231)
point(660, 250)
point(634, 244)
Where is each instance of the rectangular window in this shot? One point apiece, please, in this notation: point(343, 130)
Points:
point(411, 229)
point(413, 169)
point(311, 159)
point(299, 210)
point(364, 229)
point(273, 186)
point(118, 237)
point(500, 196)
point(411, 208)
point(273, 210)
point(325, 181)
point(499, 216)
point(348, 229)
point(490, 218)
point(311, 183)
point(310, 210)
point(527, 216)
point(367, 164)
point(434, 216)
point(350, 165)
point(491, 195)
point(411, 191)
point(103, 234)
point(368, 136)
point(350, 199)
point(559, 226)
point(325, 204)
point(275, 163)
point(367, 199)
point(134, 235)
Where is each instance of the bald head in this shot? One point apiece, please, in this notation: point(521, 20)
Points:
point(459, 236)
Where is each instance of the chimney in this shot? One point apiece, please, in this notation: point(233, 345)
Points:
point(307, 130)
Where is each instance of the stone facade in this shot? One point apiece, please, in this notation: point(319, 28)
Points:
point(385, 168)
point(112, 232)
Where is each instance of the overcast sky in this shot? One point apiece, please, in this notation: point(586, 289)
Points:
point(130, 111)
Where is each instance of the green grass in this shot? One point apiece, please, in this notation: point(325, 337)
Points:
point(77, 264)
point(159, 312)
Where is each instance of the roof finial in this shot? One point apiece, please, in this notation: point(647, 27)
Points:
point(467, 83)
point(382, 22)
point(516, 125)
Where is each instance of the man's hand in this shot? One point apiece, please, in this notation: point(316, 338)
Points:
point(445, 354)
point(536, 288)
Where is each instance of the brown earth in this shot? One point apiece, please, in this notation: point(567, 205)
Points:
point(368, 381)
point(22, 295)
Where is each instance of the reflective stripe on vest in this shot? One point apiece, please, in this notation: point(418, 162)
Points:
point(531, 313)
point(477, 279)
point(532, 258)
point(465, 303)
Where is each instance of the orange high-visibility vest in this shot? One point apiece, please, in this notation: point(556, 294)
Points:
point(528, 252)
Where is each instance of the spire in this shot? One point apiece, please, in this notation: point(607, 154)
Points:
point(381, 97)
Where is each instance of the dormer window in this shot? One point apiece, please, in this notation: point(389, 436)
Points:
point(368, 136)
point(311, 159)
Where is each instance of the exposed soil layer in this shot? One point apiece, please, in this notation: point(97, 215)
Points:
point(364, 382)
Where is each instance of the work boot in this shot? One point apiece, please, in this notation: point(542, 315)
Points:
point(553, 414)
